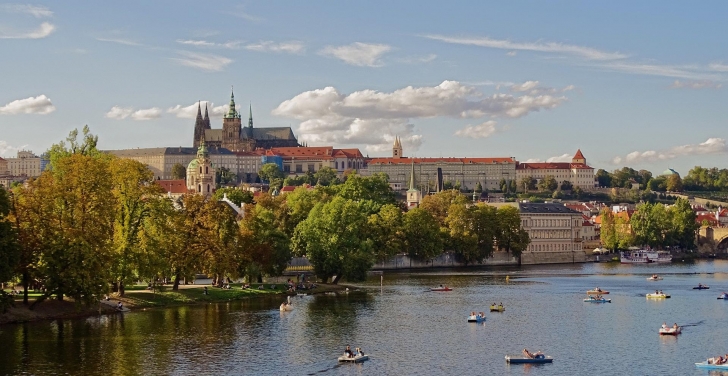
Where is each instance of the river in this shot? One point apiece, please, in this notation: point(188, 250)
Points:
point(406, 329)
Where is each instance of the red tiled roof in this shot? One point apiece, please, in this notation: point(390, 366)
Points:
point(289, 188)
point(710, 217)
point(552, 166)
point(349, 153)
point(579, 155)
point(173, 186)
point(311, 152)
point(440, 160)
point(587, 223)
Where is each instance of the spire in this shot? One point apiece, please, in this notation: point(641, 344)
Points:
point(207, 118)
point(232, 113)
point(199, 111)
point(250, 117)
point(412, 176)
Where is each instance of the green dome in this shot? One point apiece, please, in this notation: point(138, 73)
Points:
point(669, 172)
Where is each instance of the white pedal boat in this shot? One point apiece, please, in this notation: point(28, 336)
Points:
point(670, 331)
point(476, 318)
point(706, 365)
point(655, 278)
point(657, 296)
point(356, 359)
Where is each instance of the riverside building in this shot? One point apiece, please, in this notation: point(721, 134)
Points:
point(555, 232)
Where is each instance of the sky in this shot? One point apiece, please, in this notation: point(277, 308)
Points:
point(639, 84)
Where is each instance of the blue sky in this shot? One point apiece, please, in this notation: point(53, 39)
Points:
point(631, 84)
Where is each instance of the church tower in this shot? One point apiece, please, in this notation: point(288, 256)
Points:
point(200, 126)
point(413, 194)
point(207, 118)
point(201, 172)
point(397, 149)
point(578, 158)
point(231, 127)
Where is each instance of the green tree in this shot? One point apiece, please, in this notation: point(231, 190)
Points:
point(510, 236)
point(9, 249)
point(179, 171)
point(271, 174)
point(478, 188)
point(608, 231)
point(604, 178)
point(674, 183)
point(72, 146)
point(386, 229)
point(236, 195)
point(224, 176)
point(649, 224)
point(566, 185)
point(527, 183)
point(548, 183)
point(375, 188)
point(326, 176)
point(299, 204)
point(503, 185)
point(422, 238)
point(682, 224)
point(332, 238)
point(439, 204)
point(472, 231)
point(265, 247)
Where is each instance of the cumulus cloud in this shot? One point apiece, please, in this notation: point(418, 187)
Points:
point(45, 29)
point(206, 62)
point(477, 131)
point(548, 47)
point(120, 113)
point(34, 10)
point(566, 157)
point(696, 84)
point(358, 54)
point(711, 146)
point(40, 105)
point(291, 47)
point(9, 150)
point(373, 118)
point(190, 112)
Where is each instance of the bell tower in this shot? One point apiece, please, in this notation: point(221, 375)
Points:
point(231, 127)
point(397, 148)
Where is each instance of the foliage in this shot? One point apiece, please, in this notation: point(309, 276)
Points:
point(236, 195)
point(179, 171)
point(375, 188)
point(326, 176)
point(479, 187)
point(264, 245)
point(566, 185)
point(271, 174)
point(659, 226)
point(72, 146)
point(706, 179)
point(510, 236)
point(422, 236)
point(548, 183)
point(9, 249)
point(472, 231)
point(224, 176)
point(674, 183)
point(439, 204)
point(386, 229)
point(527, 183)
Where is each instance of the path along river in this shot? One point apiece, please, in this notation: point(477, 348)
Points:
point(406, 329)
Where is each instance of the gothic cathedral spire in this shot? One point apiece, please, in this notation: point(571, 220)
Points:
point(232, 112)
point(250, 117)
point(199, 127)
point(207, 118)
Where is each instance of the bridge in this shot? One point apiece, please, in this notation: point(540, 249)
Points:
point(713, 237)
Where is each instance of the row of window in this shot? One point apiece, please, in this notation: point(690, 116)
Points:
point(552, 247)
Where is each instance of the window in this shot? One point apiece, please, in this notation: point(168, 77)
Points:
point(299, 168)
point(311, 167)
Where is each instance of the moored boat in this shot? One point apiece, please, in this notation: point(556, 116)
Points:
point(517, 359)
point(655, 278)
point(644, 257)
point(597, 292)
point(592, 299)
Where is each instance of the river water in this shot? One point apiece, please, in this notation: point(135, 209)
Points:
point(406, 329)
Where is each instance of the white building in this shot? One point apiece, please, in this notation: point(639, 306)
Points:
point(577, 172)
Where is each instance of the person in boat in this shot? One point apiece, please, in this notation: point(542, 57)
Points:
point(527, 354)
point(675, 326)
point(664, 325)
point(472, 313)
point(119, 306)
point(348, 352)
point(539, 355)
point(700, 285)
point(656, 292)
point(660, 292)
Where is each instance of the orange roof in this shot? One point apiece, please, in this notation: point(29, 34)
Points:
point(173, 186)
point(587, 223)
point(288, 188)
point(578, 155)
point(349, 153)
point(440, 160)
point(311, 152)
point(710, 217)
point(552, 166)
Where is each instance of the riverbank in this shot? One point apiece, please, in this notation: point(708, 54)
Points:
point(138, 297)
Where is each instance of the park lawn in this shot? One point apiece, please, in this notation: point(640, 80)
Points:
point(144, 297)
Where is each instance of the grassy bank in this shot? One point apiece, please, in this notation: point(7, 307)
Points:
point(138, 296)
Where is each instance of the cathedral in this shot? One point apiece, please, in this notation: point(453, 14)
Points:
point(236, 138)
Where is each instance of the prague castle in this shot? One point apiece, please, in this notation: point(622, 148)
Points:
point(236, 138)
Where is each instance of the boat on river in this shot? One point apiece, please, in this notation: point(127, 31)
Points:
point(701, 287)
point(642, 256)
point(441, 289)
point(723, 296)
point(657, 296)
point(476, 318)
point(518, 359)
point(593, 299)
point(671, 331)
point(597, 292)
point(497, 308)
point(356, 359)
point(655, 278)
point(707, 365)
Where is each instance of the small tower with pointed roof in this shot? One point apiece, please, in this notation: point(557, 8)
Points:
point(201, 172)
point(397, 148)
point(199, 127)
point(250, 117)
point(413, 194)
point(206, 120)
point(578, 158)
point(231, 126)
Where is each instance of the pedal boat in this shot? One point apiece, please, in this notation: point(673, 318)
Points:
point(595, 292)
point(497, 308)
point(657, 296)
point(658, 278)
point(706, 365)
point(723, 296)
point(356, 359)
point(519, 359)
point(701, 287)
point(440, 289)
point(670, 331)
point(592, 299)
point(286, 307)
point(476, 318)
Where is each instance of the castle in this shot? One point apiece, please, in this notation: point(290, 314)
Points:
point(236, 138)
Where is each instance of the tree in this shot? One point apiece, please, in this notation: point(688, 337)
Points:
point(299, 204)
point(224, 176)
point(422, 239)
point(566, 185)
point(472, 231)
point(439, 204)
point(236, 195)
point(179, 171)
point(375, 188)
point(386, 229)
point(86, 147)
point(649, 224)
point(548, 183)
point(527, 183)
point(332, 238)
point(608, 233)
point(503, 185)
point(682, 224)
point(604, 178)
point(9, 249)
point(674, 183)
point(510, 236)
point(326, 176)
point(271, 174)
point(265, 247)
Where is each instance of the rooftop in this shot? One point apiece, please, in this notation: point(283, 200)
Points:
point(441, 160)
point(548, 208)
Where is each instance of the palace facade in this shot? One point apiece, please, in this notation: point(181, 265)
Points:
point(577, 172)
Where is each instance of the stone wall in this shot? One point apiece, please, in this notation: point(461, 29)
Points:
point(446, 260)
point(559, 257)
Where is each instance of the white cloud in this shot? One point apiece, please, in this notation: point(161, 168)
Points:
point(206, 62)
point(34, 10)
point(549, 47)
point(372, 117)
point(559, 158)
point(9, 150)
point(125, 42)
point(719, 67)
point(511, 53)
point(478, 131)
point(417, 59)
point(120, 113)
point(230, 45)
point(40, 105)
point(190, 112)
point(711, 146)
point(358, 54)
point(45, 29)
point(291, 47)
point(526, 86)
point(696, 84)
point(691, 72)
